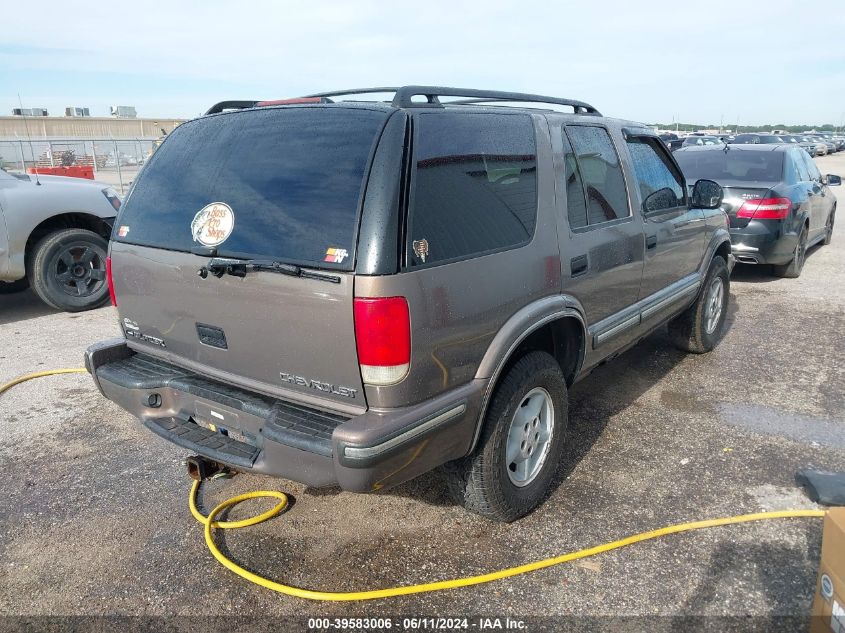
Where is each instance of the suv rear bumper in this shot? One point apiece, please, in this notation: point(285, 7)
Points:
point(375, 450)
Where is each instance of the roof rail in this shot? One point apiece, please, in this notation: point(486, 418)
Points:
point(404, 95)
point(354, 91)
point(403, 98)
point(230, 105)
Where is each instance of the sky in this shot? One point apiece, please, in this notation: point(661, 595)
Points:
point(752, 61)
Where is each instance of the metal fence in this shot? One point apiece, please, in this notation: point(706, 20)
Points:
point(115, 161)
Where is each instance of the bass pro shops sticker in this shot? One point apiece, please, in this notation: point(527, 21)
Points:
point(213, 224)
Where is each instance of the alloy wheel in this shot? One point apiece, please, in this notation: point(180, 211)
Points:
point(79, 269)
point(529, 437)
point(714, 304)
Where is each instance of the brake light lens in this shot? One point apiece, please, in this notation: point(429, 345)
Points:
point(383, 338)
point(765, 208)
point(110, 282)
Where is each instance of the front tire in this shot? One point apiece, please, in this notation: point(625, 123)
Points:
point(511, 471)
point(10, 287)
point(67, 270)
point(701, 326)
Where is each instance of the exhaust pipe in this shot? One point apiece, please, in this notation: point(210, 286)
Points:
point(200, 468)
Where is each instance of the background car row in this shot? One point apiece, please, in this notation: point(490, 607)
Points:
point(778, 202)
point(814, 143)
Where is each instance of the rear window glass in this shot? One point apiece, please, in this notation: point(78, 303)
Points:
point(292, 178)
point(733, 164)
point(475, 186)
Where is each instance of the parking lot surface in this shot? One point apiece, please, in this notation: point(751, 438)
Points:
point(95, 518)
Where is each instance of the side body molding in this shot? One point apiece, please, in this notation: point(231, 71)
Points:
point(515, 330)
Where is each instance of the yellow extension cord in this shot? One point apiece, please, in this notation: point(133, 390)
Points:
point(209, 524)
point(39, 374)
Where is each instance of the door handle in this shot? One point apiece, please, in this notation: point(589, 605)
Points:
point(578, 265)
point(651, 241)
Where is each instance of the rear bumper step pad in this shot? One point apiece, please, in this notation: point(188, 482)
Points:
point(190, 435)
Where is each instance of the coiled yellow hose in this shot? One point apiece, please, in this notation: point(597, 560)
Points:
point(373, 594)
point(209, 524)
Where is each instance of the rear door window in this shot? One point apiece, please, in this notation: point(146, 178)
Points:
point(801, 166)
point(474, 186)
point(576, 202)
point(790, 168)
point(604, 184)
point(292, 178)
point(813, 171)
point(661, 187)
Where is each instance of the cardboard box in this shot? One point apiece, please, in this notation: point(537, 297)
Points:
point(828, 612)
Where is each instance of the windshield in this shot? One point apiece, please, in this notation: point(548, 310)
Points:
point(720, 165)
point(280, 183)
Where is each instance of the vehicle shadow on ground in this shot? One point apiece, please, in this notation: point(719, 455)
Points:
point(609, 390)
point(20, 306)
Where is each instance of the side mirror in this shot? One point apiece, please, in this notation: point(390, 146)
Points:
point(833, 180)
point(663, 198)
point(707, 194)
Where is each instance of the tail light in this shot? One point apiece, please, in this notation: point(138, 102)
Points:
point(383, 338)
point(765, 208)
point(110, 282)
point(112, 197)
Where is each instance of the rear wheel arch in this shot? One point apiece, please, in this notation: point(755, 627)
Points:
point(62, 221)
point(562, 334)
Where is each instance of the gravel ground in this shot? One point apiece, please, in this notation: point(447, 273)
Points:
point(95, 520)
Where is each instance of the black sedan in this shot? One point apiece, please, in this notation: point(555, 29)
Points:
point(757, 139)
point(778, 202)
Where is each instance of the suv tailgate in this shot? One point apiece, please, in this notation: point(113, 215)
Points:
point(270, 184)
point(284, 336)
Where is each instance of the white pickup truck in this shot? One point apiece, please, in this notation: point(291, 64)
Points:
point(54, 234)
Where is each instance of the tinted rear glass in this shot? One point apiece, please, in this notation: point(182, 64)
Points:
point(291, 176)
point(733, 164)
point(475, 186)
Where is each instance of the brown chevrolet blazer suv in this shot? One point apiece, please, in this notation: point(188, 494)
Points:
point(349, 292)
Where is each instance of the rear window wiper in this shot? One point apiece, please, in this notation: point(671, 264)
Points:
point(219, 266)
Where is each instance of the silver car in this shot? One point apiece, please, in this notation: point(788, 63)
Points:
point(54, 234)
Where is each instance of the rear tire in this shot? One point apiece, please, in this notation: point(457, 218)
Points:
point(511, 471)
point(10, 287)
point(828, 236)
point(700, 327)
point(793, 269)
point(67, 270)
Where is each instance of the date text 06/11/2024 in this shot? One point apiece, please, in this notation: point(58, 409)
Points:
point(416, 624)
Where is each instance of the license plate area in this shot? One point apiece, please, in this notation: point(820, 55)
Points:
point(223, 421)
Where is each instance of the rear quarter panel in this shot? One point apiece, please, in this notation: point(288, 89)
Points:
point(458, 308)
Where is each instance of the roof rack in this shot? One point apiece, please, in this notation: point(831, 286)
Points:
point(354, 91)
point(230, 105)
point(403, 97)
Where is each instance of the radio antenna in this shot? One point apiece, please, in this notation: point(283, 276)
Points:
point(29, 138)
